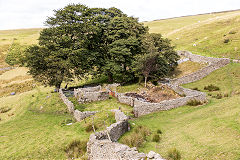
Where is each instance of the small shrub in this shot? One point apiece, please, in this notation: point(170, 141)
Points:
point(89, 128)
point(209, 94)
point(4, 109)
point(194, 102)
point(218, 96)
point(159, 131)
point(226, 40)
point(156, 138)
point(196, 89)
point(76, 149)
point(174, 154)
point(211, 88)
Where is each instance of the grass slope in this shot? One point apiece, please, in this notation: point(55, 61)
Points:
point(37, 133)
point(205, 132)
point(207, 31)
point(21, 36)
point(37, 128)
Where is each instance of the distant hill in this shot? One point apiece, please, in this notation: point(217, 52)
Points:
point(212, 34)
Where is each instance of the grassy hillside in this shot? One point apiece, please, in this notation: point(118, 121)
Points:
point(35, 126)
point(21, 36)
point(207, 31)
point(203, 132)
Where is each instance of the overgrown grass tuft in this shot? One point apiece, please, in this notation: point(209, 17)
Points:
point(89, 128)
point(194, 102)
point(218, 96)
point(137, 137)
point(211, 88)
point(159, 131)
point(156, 138)
point(174, 154)
point(76, 149)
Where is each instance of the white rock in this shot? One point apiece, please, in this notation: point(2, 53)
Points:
point(157, 156)
point(151, 154)
point(69, 124)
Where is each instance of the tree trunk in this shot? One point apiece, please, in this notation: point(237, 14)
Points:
point(58, 85)
point(110, 78)
point(145, 82)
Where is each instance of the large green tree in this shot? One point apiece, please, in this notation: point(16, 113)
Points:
point(79, 40)
point(82, 40)
point(158, 60)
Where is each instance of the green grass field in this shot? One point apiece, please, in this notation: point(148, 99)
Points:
point(207, 31)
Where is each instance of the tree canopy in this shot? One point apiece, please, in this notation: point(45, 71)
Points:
point(96, 41)
point(158, 60)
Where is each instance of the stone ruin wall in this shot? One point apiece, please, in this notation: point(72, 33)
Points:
point(213, 64)
point(142, 107)
point(78, 115)
point(104, 146)
point(68, 103)
point(90, 94)
point(125, 99)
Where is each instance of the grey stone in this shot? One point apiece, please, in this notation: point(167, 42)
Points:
point(101, 148)
point(151, 154)
point(78, 115)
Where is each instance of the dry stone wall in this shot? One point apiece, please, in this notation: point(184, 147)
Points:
point(90, 94)
point(78, 115)
point(103, 146)
point(213, 64)
point(142, 107)
point(68, 103)
point(125, 99)
point(86, 89)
